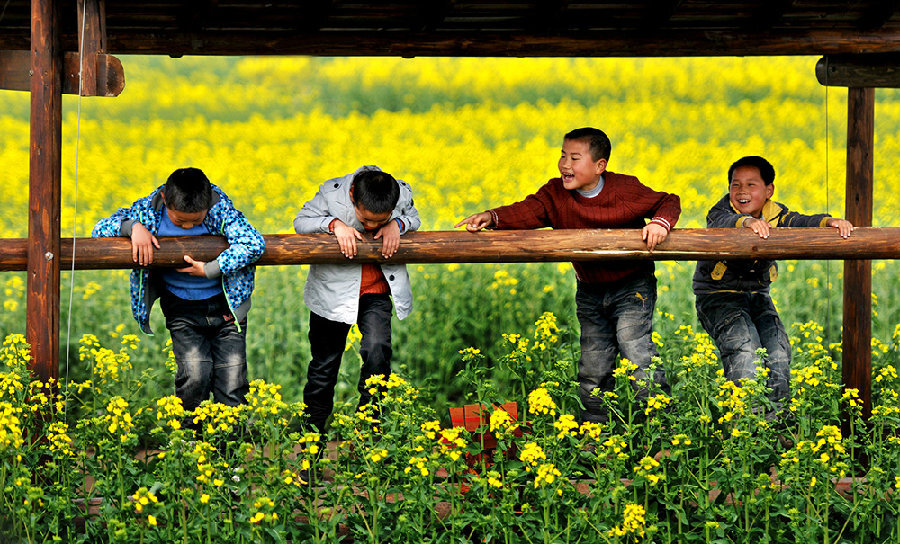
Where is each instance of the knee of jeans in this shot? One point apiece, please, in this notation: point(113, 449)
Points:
point(194, 369)
point(375, 349)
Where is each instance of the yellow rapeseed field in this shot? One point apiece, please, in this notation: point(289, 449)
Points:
point(467, 134)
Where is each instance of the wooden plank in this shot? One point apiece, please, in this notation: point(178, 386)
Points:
point(493, 246)
point(15, 67)
point(44, 203)
point(91, 23)
point(611, 43)
point(857, 332)
point(859, 70)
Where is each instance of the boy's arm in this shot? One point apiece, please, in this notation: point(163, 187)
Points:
point(245, 243)
point(121, 222)
point(404, 218)
point(530, 213)
point(314, 216)
point(795, 219)
point(125, 222)
point(406, 210)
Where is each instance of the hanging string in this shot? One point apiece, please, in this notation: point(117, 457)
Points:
point(828, 309)
point(75, 197)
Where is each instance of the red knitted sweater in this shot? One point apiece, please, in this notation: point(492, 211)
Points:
point(623, 203)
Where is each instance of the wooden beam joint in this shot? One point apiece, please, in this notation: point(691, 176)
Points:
point(109, 78)
point(867, 70)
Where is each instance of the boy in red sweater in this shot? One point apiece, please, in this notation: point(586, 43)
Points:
point(615, 300)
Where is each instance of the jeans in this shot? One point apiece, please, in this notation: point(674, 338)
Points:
point(615, 319)
point(328, 341)
point(210, 351)
point(741, 323)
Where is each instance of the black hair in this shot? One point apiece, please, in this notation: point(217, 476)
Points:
point(596, 138)
point(375, 191)
point(188, 190)
point(766, 170)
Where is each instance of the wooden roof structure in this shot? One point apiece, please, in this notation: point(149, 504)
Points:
point(476, 27)
point(44, 50)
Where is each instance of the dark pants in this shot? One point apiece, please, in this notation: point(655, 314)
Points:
point(615, 319)
point(210, 351)
point(328, 341)
point(740, 324)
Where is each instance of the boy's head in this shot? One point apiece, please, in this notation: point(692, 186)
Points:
point(188, 197)
point(751, 183)
point(585, 153)
point(374, 195)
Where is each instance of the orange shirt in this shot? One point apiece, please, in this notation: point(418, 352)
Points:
point(373, 280)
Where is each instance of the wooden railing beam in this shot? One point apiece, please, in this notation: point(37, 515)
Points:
point(493, 246)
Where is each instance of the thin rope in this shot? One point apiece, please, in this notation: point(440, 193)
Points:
point(829, 309)
point(2, 13)
point(75, 199)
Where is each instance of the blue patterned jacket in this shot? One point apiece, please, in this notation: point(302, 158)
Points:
point(234, 265)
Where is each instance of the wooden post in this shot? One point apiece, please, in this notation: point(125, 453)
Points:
point(857, 334)
point(42, 321)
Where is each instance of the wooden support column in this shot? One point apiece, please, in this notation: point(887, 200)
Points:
point(857, 334)
point(42, 314)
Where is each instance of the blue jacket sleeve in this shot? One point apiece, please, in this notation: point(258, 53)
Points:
point(245, 243)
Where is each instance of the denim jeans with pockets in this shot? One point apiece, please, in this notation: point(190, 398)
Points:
point(740, 323)
point(615, 319)
point(210, 351)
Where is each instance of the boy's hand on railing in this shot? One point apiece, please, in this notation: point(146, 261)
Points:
point(476, 222)
point(195, 268)
point(759, 226)
point(653, 234)
point(142, 244)
point(346, 237)
point(844, 227)
point(390, 238)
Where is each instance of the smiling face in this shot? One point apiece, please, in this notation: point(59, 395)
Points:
point(748, 192)
point(577, 168)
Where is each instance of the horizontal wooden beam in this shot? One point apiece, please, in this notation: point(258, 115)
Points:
point(601, 43)
point(15, 73)
point(493, 246)
point(859, 70)
point(408, 43)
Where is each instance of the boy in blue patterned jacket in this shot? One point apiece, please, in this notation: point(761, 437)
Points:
point(205, 303)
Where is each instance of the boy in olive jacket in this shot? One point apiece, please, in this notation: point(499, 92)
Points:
point(733, 302)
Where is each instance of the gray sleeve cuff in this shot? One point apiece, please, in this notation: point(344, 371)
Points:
point(212, 270)
point(126, 226)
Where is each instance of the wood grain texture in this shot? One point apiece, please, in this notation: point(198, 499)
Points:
point(494, 247)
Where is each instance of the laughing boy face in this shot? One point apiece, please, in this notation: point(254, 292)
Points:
point(748, 192)
point(576, 166)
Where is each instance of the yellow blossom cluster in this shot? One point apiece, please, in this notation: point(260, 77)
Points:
point(531, 454)
point(171, 410)
point(118, 419)
point(10, 426)
point(540, 402)
point(264, 507)
point(142, 498)
point(633, 522)
point(545, 474)
point(214, 417)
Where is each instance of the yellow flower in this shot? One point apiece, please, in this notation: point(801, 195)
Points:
point(540, 402)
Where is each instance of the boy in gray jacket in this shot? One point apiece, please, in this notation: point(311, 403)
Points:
point(733, 302)
point(339, 295)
